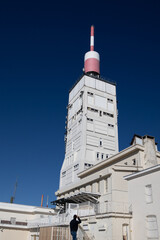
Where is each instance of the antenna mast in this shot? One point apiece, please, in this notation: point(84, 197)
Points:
point(14, 194)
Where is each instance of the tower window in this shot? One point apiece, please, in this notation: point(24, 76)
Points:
point(97, 155)
point(89, 119)
point(89, 93)
point(106, 156)
point(110, 100)
point(102, 156)
point(88, 165)
point(134, 162)
point(110, 115)
point(100, 143)
point(100, 113)
point(111, 125)
point(92, 109)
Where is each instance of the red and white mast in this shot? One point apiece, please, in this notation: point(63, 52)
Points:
point(92, 39)
point(92, 59)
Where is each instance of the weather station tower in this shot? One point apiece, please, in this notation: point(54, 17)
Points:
point(91, 126)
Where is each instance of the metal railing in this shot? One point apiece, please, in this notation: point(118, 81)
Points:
point(82, 210)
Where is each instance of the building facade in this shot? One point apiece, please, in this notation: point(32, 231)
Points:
point(92, 182)
point(22, 222)
point(101, 196)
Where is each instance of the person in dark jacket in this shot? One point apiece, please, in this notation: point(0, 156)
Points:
point(74, 226)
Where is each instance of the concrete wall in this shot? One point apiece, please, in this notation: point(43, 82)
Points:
point(14, 234)
point(141, 209)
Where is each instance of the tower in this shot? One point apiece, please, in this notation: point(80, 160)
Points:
point(91, 127)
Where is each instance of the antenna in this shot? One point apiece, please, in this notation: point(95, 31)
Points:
point(14, 194)
point(91, 58)
point(92, 39)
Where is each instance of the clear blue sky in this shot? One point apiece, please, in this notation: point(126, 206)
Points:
point(42, 46)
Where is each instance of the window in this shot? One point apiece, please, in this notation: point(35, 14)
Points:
point(76, 167)
point(89, 93)
point(110, 100)
point(151, 227)
point(90, 119)
point(97, 155)
point(111, 125)
point(100, 113)
point(134, 162)
point(102, 156)
point(13, 220)
point(108, 114)
point(101, 143)
point(92, 109)
point(106, 156)
point(148, 193)
point(88, 165)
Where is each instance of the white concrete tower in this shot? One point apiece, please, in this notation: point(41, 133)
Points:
point(91, 128)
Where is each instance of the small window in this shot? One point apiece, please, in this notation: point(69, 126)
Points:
point(90, 93)
point(106, 156)
point(110, 115)
point(152, 227)
point(110, 100)
point(98, 155)
point(88, 165)
point(102, 156)
point(100, 143)
point(134, 162)
point(90, 119)
point(148, 193)
point(13, 220)
point(100, 113)
point(94, 110)
point(111, 125)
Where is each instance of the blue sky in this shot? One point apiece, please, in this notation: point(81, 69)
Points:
point(42, 47)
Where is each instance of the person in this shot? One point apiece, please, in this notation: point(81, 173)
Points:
point(74, 226)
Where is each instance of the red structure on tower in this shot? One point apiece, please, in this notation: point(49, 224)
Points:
point(92, 59)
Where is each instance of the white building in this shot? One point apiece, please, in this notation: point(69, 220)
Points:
point(144, 195)
point(92, 180)
point(22, 222)
point(101, 195)
point(91, 129)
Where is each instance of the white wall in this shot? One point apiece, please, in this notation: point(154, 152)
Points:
point(141, 209)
